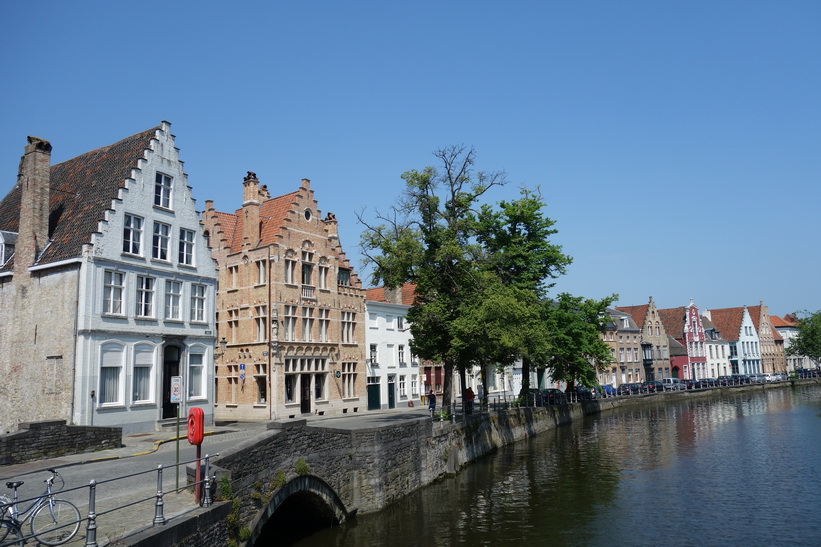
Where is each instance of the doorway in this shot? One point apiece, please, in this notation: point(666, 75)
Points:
point(392, 391)
point(305, 391)
point(170, 367)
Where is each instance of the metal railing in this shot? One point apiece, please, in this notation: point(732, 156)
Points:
point(135, 520)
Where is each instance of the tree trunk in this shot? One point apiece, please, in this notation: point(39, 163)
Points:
point(525, 377)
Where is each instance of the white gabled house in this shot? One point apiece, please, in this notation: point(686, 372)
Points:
point(107, 288)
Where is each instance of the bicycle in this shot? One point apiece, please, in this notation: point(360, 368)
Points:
point(53, 521)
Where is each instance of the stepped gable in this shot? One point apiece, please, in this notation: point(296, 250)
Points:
point(272, 213)
point(81, 191)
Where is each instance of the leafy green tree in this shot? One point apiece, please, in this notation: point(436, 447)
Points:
point(808, 340)
point(516, 242)
point(577, 350)
point(428, 239)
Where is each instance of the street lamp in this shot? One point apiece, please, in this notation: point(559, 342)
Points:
point(223, 343)
point(647, 351)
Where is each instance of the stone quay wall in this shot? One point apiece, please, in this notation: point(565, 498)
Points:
point(52, 439)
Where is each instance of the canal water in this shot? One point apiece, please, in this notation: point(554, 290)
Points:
point(740, 469)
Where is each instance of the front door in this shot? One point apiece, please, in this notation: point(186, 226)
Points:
point(391, 392)
point(374, 398)
point(171, 367)
point(305, 400)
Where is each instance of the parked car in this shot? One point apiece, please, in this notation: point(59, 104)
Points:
point(757, 378)
point(653, 386)
point(553, 396)
point(580, 393)
point(708, 382)
point(672, 384)
point(725, 380)
point(629, 389)
point(607, 390)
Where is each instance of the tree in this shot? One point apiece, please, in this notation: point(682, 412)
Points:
point(808, 340)
point(577, 350)
point(516, 242)
point(428, 239)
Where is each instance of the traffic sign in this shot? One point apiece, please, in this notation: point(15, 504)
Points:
point(176, 389)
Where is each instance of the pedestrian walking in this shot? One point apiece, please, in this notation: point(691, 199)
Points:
point(431, 402)
point(469, 397)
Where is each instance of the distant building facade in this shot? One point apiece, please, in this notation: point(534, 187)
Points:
point(107, 288)
point(653, 335)
point(737, 328)
point(290, 309)
point(683, 324)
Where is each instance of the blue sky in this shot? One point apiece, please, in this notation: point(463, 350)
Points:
point(676, 143)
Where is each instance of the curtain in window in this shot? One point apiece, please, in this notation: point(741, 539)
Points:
point(195, 368)
point(111, 363)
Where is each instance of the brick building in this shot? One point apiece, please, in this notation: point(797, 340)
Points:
point(653, 336)
point(290, 309)
point(106, 287)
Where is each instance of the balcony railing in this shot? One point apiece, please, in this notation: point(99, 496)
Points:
point(308, 292)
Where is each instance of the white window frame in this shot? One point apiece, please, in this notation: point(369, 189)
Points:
point(173, 300)
point(111, 389)
point(196, 367)
point(143, 368)
point(113, 290)
point(145, 296)
point(161, 241)
point(185, 253)
point(132, 234)
point(261, 322)
point(163, 185)
point(198, 293)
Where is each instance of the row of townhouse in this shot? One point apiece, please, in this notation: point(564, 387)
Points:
point(648, 343)
point(114, 288)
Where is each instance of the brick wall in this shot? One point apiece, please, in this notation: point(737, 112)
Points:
point(41, 440)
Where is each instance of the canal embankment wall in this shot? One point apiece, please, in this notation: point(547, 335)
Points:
point(364, 469)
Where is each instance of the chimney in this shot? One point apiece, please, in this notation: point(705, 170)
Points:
point(35, 171)
point(250, 211)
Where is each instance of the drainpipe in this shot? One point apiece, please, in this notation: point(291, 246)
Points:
point(271, 317)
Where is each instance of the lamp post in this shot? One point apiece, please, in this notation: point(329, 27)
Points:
point(223, 342)
point(647, 352)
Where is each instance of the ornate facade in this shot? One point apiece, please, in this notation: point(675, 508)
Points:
point(290, 309)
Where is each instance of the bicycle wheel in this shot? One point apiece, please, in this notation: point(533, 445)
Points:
point(10, 535)
point(55, 523)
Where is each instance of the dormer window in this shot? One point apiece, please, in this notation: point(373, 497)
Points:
point(7, 241)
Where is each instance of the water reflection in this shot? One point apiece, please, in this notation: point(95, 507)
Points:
point(725, 470)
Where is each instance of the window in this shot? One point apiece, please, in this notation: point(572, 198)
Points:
point(162, 191)
point(307, 268)
point(401, 352)
point(319, 386)
point(113, 292)
point(196, 378)
point(111, 374)
point(307, 324)
point(261, 323)
point(185, 254)
point(145, 296)
point(290, 269)
point(343, 277)
point(414, 386)
point(173, 296)
point(162, 235)
point(400, 323)
point(290, 388)
point(621, 355)
point(348, 380)
point(289, 323)
point(324, 325)
point(143, 368)
point(197, 303)
point(233, 325)
point(348, 327)
point(262, 272)
point(373, 354)
point(322, 280)
point(132, 235)
point(402, 392)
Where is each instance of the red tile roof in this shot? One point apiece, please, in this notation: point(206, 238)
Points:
point(639, 313)
point(377, 294)
point(81, 190)
point(728, 322)
point(673, 320)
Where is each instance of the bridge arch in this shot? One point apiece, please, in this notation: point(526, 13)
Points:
point(305, 503)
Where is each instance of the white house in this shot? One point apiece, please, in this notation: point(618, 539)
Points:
point(108, 292)
point(393, 373)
